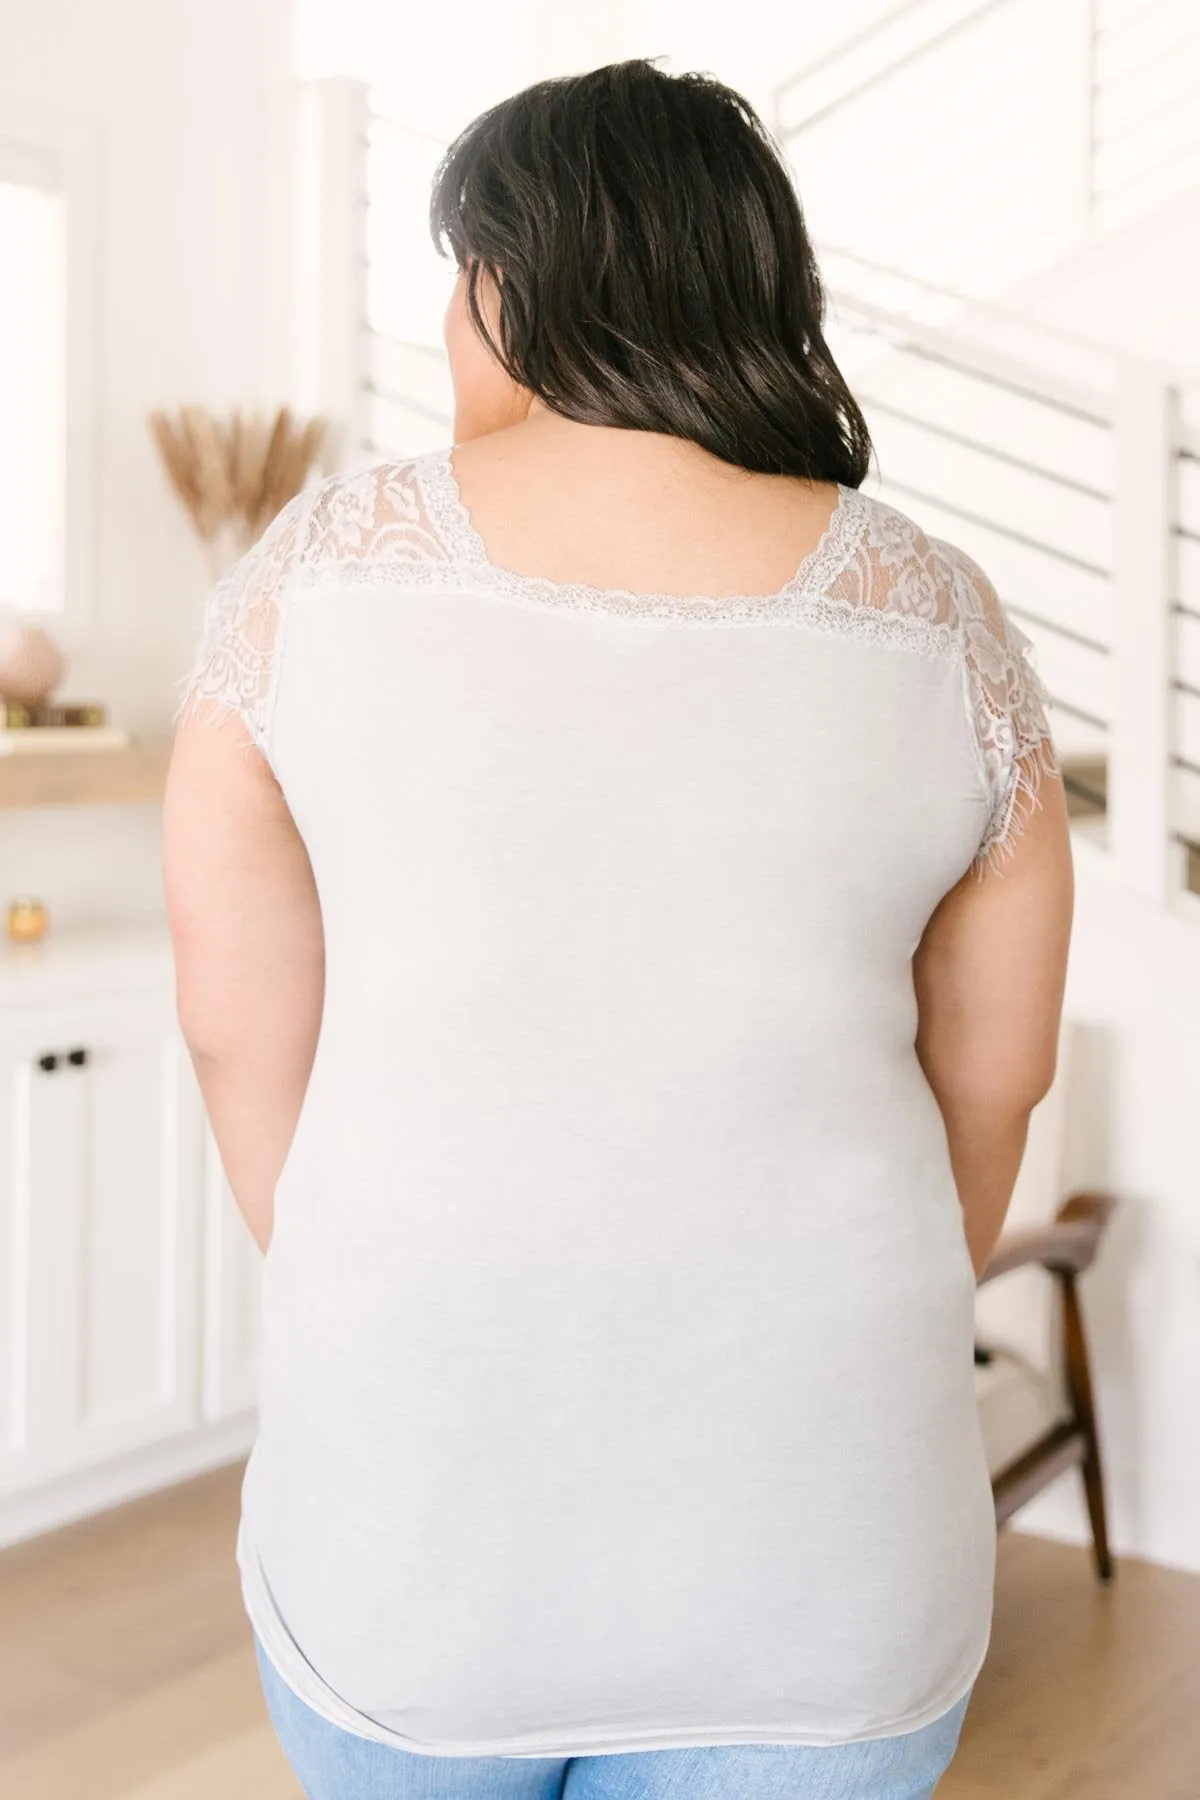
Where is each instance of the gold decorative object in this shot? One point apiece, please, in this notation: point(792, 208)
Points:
point(31, 664)
point(27, 921)
point(233, 475)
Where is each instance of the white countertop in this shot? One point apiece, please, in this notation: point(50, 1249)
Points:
point(73, 963)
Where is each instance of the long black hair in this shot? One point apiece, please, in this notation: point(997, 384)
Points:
point(653, 267)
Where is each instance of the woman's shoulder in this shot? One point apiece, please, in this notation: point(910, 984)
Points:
point(396, 514)
point(358, 526)
point(899, 567)
point(387, 511)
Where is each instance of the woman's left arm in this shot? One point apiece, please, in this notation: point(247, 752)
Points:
point(245, 923)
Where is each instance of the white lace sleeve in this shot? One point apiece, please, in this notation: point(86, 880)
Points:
point(233, 670)
point(371, 524)
point(1008, 705)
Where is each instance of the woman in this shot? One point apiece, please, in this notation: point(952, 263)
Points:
point(620, 951)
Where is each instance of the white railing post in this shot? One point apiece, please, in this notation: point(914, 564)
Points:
point(1139, 772)
point(330, 263)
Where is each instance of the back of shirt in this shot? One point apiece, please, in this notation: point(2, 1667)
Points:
point(617, 1385)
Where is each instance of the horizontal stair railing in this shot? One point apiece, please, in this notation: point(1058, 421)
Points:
point(406, 402)
point(1016, 465)
point(1143, 111)
point(911, 32)
point(1185, 677)
point(1081, 499)
point(1103, 92)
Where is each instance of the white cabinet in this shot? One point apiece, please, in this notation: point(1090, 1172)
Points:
point(128, 1284)
point(101, 1219)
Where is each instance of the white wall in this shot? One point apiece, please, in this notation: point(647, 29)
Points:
point(1134, 287)
point(1135, 987)
point(172, 102)
point(1135, 978)
point(435, 67)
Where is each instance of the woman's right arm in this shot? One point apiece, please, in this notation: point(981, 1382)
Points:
point(990, 972)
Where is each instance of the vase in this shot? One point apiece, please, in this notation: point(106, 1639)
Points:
point(31, 664)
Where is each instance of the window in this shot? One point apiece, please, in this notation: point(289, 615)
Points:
point(32, 384)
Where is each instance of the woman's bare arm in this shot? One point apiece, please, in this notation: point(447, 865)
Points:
point(249, 951)
point(989, 974)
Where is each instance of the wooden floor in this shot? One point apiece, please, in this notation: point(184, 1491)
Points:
point(126, 1672)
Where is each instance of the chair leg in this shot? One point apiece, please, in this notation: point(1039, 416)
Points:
point(1093, 1482)
point(1079, 1377)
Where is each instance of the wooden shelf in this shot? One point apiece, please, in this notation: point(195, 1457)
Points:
point(85, 777)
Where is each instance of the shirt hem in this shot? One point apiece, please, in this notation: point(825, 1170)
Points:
point(297, 1673)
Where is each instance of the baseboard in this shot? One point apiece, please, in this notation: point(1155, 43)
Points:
point(1150, 1518)
point(78, 1496)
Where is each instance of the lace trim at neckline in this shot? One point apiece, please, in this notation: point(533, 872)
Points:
point(817, 571)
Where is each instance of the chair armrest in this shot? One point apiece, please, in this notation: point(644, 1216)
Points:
point(1065, 1247)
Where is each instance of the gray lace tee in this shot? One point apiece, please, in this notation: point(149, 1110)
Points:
point(616, 1389)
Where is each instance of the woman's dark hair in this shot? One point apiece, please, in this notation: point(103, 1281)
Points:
point(654, 268)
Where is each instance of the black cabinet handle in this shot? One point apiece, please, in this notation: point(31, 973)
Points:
point(54, 1059)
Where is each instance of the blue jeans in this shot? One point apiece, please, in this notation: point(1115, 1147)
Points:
point(331, 1764)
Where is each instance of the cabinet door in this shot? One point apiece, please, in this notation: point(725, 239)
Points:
point(100, 1140)
point(232, 1273)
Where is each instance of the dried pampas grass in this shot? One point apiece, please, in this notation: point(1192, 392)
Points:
point(233, 475)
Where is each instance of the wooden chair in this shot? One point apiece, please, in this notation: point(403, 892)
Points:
point(1034, 1384)
point(1034, 1427)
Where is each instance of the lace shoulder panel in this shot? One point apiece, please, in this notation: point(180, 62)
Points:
point(1008, 703)
point(899, 571)
point(379, 514)
point(876, 577)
